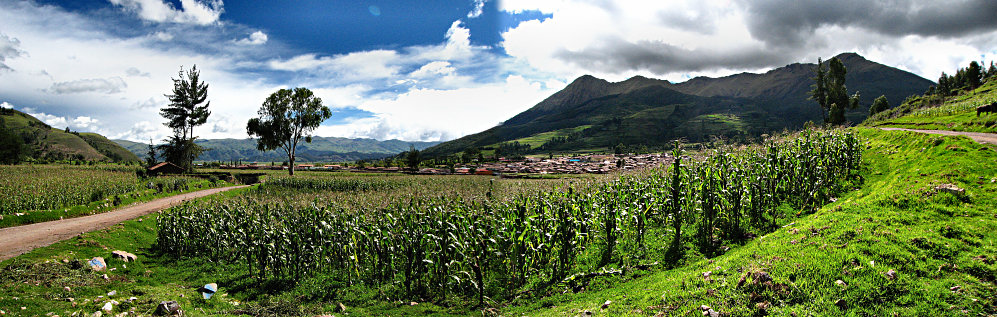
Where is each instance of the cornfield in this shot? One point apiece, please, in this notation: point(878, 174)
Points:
point(44, 187)
point(494, 247)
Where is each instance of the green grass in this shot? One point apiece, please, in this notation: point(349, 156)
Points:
point(932, 240)
point(896, 220)
point(957, 113)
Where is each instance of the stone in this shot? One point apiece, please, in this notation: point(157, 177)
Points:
point(124, 256)
point(112, 293)
point(168, 308)
point(108, 307)
point(97, 314)
point(606, 304)
point(208, 290)
point(891, 274)
point(841, 283)
point(97, 264)
point(951, 189)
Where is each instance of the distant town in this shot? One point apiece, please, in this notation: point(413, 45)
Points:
point(583, 164)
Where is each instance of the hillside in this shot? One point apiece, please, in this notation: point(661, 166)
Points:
point(645, 111)
point(933, 112)
point(321, 149)
point(45, 142)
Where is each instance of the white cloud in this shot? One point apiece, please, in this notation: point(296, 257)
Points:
point(9, 48)
point(6, 105)
point(163, 36)
point(135, 72)
point(191, 11)
point(80, 123)
point(111, 85)
point(479, 8)
point(434, 114)
point(256, 38)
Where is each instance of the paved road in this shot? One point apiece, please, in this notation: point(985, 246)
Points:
point(18, 240)
point(989, 138)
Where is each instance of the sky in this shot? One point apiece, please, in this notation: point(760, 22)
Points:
point(433, 70)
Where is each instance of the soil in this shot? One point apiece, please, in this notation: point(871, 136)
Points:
point(18, 240)
point(990, 138)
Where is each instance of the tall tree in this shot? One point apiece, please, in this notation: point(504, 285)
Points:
point(819, 92)
point(830, 91)
point(974, 75)
point(185, 112)
point(412, 158)
point(151, 159)
point(286, 117)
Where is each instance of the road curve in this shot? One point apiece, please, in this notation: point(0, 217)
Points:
point(18, 240)
point(989, 138)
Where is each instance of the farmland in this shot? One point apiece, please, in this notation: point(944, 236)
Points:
point(33, 193)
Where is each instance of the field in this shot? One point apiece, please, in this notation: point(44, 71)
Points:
point(453, 245)
point(35, 193)
point(955, 113)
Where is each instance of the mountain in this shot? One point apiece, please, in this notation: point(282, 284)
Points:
point(46, 142)
point(592, 113)
point(321, 149)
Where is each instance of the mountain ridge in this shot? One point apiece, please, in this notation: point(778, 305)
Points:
point(737, 105)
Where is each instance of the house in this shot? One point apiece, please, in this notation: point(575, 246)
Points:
point(304, 167)
point(165, 168)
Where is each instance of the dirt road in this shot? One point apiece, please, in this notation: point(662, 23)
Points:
point(18, 240)
point(989, 138)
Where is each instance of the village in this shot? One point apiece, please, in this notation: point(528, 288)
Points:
point(581, 164)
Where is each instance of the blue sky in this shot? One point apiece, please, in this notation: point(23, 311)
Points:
point(432, 70)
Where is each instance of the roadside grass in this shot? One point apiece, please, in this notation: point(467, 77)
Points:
point(103, 205)
point(957, 113)
point(939, 246)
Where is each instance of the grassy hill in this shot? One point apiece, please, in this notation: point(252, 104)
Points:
point(45, 142)
point(321, 149)
point(645, 111)
point(932, 112)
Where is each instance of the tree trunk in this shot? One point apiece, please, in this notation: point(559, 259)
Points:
point(290, 163)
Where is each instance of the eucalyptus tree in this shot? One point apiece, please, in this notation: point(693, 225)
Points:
point(285, 118)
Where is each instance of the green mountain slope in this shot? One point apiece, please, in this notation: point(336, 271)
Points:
point(645, 111)
point(321, 149)
point(45, 142)
point(108, 148)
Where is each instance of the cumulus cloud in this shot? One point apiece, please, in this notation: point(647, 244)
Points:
point(190, 11)
point(79, 123)
point(110, 85)
point(788, 22)
point(684, 38)
point(479, 8)
point(256, 38)
point(6, 105)
point(163, 36)
point(9, 48)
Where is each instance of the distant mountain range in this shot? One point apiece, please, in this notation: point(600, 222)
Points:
point(44, 142)
point(592, 113)
point(321, 149)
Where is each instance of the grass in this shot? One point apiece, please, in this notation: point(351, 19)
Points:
point(940, 247)
point(957, 113)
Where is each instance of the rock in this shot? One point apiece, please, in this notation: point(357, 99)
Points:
point(97, 314)
point(413, 303)
point(841, 283)
point(955, 288)
point(105, 277)
point(67, 289)
point(951, 189)
point(107, 307)
point(586, 313)
point(70, 299)
point(97, 264)
point(704, 307)
point(168, 308)
point(891, 274)
point(707, 274)
point(124, 256)
point(342, 308)
point(208, 290)
point(841, 303)
point(132, 299)
point(606, 304)
point(112, 293)
point(711, 313)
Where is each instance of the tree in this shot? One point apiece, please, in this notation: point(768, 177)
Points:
point(819, 93)
point(830, 91)
point(184, 113)
point(412, 158)
point(974, 75)
point(151, 159)
point(879, 105)
point(287, 117)
point(12, 148)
